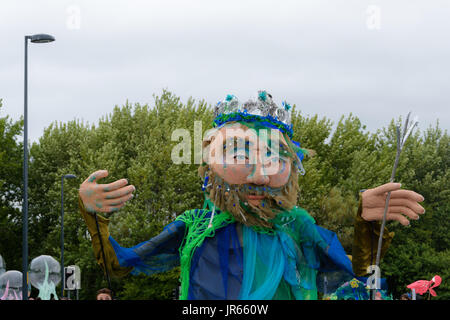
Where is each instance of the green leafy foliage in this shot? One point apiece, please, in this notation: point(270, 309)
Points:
point(11, 160)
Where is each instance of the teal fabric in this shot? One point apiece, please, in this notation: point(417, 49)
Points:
point(264, 265)
point(285, 264)
point(269, 260)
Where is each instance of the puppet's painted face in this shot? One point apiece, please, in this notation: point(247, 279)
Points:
point(249, 157)
point(251, 168)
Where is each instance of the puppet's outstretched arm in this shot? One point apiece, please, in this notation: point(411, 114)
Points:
point(112, 263)
point(157, 254)
point(107, 198)
point(365, 243)
point(402, 206)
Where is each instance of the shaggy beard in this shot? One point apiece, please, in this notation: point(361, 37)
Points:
point(229, 198)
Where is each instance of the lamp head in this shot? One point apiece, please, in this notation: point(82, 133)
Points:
point(70, 176)
point(41, 38)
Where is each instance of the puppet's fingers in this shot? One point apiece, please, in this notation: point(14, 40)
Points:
point(407, 194)
point(115, 185)
point(120, 192)
point(398, 217)
point(391, 186)
point(119, 201)
point(403, 210)
point(97, 175)
point(417, 208)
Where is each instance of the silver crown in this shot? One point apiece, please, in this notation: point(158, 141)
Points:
point(262, 106)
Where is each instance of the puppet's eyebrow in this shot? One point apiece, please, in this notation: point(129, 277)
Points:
point(247, 142)
point(281, 144)
point(282, 150)
point(239, 141)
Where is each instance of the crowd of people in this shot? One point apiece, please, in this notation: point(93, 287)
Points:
point(102, 294)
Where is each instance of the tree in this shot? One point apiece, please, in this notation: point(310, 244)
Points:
point(11, 153)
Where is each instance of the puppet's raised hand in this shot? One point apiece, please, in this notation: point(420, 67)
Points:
point(402, 204)
point(105, 197)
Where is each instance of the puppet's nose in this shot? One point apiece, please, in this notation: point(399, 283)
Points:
point(258, 176)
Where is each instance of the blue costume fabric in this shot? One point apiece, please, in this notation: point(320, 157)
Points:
point(241, 263)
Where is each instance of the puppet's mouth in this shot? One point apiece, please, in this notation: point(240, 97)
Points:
point(255, 197)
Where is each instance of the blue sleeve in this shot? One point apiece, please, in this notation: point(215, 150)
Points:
point(335, 266)
point(333, 257)
point(156, 255)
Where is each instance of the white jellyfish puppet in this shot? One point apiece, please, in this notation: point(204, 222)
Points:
point(2, 265)
point(11, 285)
point(45, 274)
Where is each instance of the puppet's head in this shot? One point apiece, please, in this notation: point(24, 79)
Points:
point(250, 162)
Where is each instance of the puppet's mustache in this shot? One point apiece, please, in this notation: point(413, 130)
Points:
point(235, 199)
point(246, 189)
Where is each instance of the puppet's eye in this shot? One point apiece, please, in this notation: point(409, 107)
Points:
point(240, 157)
point(275, 159)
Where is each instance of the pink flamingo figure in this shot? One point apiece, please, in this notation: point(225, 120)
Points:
point(422, 286)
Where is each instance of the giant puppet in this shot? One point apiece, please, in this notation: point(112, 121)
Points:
point(250, 240)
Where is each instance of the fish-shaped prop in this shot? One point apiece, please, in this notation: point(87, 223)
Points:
point(424, 286)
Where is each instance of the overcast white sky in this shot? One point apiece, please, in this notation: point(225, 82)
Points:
point(376, 59)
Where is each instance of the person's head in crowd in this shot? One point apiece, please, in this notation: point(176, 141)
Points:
point(405, 296)
point(104, 294)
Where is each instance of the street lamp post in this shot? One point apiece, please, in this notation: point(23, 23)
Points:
point(37, 38)
point(67, 176)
